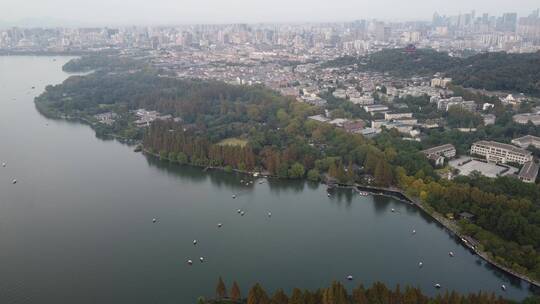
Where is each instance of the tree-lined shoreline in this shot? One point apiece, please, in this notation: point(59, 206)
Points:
point(283, 142)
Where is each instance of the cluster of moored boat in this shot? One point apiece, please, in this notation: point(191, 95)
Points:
point(4, 164)
point(220, 225)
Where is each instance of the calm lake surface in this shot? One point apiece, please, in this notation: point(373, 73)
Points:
point(77, 227)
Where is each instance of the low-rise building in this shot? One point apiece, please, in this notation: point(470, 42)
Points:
point(441, 82)
point(319, 118)
point(524, 118)
point(391, 116)
point(370, 132)
point(375, 108)
point(529, 172)
point(526, 141)
point(354, 127)
point(468, 105)
point(338, 122)
point(106, 118)
point(446, 104)
point(362, 100)
point(489, 119)
point(447, 150)
point(501, 153)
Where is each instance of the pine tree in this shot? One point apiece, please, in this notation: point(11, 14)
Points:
point(221, 290)
point(235, 292)
point(279, 297)
point(257, 295)
point(297, 297)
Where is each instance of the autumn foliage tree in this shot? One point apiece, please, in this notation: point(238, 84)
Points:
point(221, 290)
point(257, 295)
point(235, 292)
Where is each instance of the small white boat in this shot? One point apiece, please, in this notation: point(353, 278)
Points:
point(242, 213)
point(420, 264)
point(234, 196)
point(437, 285)
point(414, 231)
point(269, 214)
point(14, 181)
point(451, 254)
point(261, 182)
point(255, 174)
point(350, 278)
point(393, 210)
point(190, 262)
point(328, 194)
point(239, 211)
point(194, 242)
point(219, 225)
point(201, 259)
point(154, 220)
point(3, 164)
point(503, 287)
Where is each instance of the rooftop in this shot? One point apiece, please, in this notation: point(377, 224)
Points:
point(502, 146)
point(438, 149)
point(529, 170)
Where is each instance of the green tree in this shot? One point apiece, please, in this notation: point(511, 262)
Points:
point(313, 175)
point(182, 158)
point(296, 171)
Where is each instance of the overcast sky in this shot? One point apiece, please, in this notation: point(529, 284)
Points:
point(123, 12)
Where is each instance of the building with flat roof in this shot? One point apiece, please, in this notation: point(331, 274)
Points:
point(375, 108)
point(447, 150)
point(489, 119)
point(526, 141)
point(529, 172)
point(392, 116)
point(524, 118)
point(501, 153)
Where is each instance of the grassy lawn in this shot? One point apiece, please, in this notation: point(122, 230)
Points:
point(233, 141)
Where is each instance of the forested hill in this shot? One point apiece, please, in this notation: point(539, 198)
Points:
point(400, 62)
point(102, 61)
point(500, 71)
point(491, 71)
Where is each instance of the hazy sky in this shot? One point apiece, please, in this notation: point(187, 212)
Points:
point(120, 12)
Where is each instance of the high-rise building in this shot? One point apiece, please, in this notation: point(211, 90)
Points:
point(507, 22)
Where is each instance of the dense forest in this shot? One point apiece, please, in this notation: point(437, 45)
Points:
point(491, 71)
point(337, 293)
point(281, 141)
point(110, 62)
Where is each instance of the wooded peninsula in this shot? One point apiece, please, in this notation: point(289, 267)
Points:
point(251, 128)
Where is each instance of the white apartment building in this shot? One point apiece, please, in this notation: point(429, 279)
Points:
point(391, 116)
point(447, 150)
point(526, 141)
point(501, 153)
point(440, 82)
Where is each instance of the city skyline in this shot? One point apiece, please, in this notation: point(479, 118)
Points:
point(165, 12)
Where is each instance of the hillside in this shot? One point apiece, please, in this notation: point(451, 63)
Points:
point(491, 71)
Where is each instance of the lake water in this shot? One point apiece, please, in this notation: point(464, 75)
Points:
point(77, 227)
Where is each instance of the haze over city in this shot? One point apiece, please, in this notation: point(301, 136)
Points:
point(170, 12)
